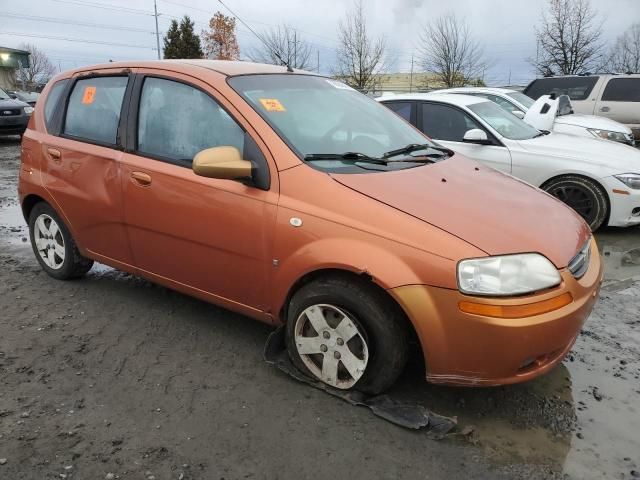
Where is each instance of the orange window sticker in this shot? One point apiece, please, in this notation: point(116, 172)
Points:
point(89, 95)
point(272, 105)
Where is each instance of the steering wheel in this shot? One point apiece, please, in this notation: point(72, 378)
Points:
point(327, 136)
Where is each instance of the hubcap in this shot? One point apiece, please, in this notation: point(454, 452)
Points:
point(49, 241)
point(331, 345)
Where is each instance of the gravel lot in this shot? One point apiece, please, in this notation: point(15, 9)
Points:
point(114, 377)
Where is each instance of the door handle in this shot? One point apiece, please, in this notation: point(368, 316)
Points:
point(605, 109)
point(141, 178)
point(54, 154)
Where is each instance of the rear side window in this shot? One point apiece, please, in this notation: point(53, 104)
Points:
point(176, 121)
point(52, 100)
point(94, 109)
point(622, 90)
point(401, 108)
point(578, 88)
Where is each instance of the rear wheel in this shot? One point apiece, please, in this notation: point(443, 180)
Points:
point(347, 334)
point(583, 195)
point(53, 246)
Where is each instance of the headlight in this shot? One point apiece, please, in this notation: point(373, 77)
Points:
point(507, 275)
point(631, 180)
point(608, 135)
point(28, 110)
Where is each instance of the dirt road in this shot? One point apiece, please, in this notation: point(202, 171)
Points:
point(114, 377)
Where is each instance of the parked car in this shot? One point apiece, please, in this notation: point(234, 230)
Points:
point(562, 120)
point(600, 180)
point(608, 95)
point(27, 97)
point(294, 199)
point(14, 115)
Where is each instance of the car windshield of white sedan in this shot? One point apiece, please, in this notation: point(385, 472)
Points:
point(506, 124)
point(334, 127)
point(522, 99)
point(4, 95)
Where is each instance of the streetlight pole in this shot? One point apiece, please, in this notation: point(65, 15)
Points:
point(155, 14)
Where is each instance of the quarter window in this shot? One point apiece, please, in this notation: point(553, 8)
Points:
point(401, 108)
point(622, 90)
point(94, 109)
point(443, 122)
point(176, 121)
point(52, 100)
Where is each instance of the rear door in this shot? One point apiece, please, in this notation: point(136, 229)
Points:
point(81, 154)
point(620, 100)
point(208, 235)
point(447, 124)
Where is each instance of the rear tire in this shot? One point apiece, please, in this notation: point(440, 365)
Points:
point(53, 245)
point(349, 328)
point(583, 195)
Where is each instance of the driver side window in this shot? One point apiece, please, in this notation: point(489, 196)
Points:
point(443, 122)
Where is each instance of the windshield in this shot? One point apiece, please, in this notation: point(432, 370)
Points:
point(4, 95)
point(522, 99)
point(320, 117)
point(506, 124)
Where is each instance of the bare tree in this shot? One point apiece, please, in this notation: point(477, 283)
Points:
point(625, 55)
point(285, 41)
point(40, 68)
point(570, 39)
point(448, 50)
point(360, 57)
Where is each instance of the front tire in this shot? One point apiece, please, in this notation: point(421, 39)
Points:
point(347, 334)
point(583, 195)
point(53, 245)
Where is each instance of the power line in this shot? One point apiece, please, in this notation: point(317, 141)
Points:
point(86, 3)
point(70, 22)
point(80, 40)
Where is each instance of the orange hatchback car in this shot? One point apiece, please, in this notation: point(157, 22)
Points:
point(294, 199)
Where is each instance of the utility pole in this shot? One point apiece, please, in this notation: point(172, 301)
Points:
point(155, 14)
point(411, 76)
point(318, 52)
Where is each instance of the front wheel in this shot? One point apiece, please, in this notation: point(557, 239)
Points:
point(53, 245)
point(583, 195)
point(347, 334)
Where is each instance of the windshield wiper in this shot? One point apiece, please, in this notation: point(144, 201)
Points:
point(542, 133)
point(414, 147)
point(352, 157)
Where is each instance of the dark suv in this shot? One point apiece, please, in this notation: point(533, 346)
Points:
point(14, 115)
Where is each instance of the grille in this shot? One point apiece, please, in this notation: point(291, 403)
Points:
point(580, 263)
point(5, 112)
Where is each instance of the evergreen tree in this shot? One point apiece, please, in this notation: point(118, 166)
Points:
point(181, 41)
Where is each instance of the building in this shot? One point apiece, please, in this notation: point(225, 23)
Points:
point(406, 82)
point(10, 61)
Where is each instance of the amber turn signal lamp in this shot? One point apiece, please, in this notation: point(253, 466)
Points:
point(516, 311)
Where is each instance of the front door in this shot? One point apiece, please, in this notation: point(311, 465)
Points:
point(206, 234)
point(447, 125)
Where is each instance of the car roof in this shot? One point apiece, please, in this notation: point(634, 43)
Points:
point(452, 98)
point(497, 90)
point(224, 67)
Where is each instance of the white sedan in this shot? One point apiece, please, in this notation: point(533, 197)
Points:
point(556, 118)
point(600, 180)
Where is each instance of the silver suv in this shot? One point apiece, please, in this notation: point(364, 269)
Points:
point(609, 95)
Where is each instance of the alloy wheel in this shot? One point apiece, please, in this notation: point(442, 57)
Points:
point(49, 241)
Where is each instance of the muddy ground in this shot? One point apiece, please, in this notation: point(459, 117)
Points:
point(114, 377)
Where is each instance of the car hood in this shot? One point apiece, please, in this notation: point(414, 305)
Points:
point(488, 209)
point(613, 156)
point(12, 103)
point(591, 121)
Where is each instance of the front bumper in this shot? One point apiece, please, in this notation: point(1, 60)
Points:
point(625, 203)
point(13, 124)
point(467, 349)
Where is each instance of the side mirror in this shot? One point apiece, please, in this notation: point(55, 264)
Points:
point(518, 113)
point(224, 163)
point(475, 135)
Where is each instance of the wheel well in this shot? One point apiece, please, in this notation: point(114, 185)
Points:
point(596, 182)
point(414, 342)
point(28, 203)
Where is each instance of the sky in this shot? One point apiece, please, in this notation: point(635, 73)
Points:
point(125, 29)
